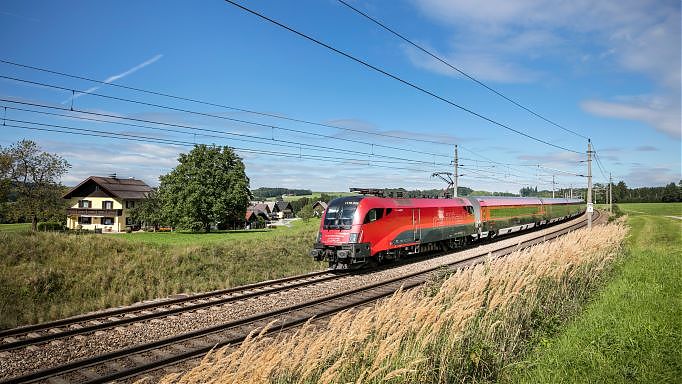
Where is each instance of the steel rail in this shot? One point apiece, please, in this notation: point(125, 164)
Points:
point(54, 330)
point(234, 332)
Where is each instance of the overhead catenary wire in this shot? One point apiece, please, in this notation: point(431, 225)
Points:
point(399, 79)
point(460, 71)
point(541, 166)
point(155, 140)
point(224, 106)
point(259, 140)
point(204, 114)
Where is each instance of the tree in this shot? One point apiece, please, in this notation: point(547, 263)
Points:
point(32, 174)
point(671, 193)
point(149, 211)
point(209, 186)
point(306, 213)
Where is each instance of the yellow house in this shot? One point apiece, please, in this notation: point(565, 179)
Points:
point(104, 203)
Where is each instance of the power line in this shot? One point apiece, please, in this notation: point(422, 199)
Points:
point(197, 101)
point(204, 114)
point(459, 70)
point(488, 160)
point(397, 78)
point(154, 140)
point(266, 141)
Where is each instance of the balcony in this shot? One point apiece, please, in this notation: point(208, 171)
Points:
point(94, 212)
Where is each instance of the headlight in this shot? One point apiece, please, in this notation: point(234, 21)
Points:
point(353, 238)
point(319, 237)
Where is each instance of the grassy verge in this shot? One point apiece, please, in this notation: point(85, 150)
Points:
point(632, 331)
point(462, 328)
point(45, 276)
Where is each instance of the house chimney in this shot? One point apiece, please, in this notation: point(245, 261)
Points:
point(113, 175)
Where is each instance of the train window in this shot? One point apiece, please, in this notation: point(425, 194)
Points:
point(469, 209)
point(339, 216)
point(388, 211)
point(374, 214)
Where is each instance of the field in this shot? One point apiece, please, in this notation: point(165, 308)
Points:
point(632, 331)
point(216, 237)
point(46, 276)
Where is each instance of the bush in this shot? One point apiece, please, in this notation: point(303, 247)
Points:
point(45, 226)
point(129, 230)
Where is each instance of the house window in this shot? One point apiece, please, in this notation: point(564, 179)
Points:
point(84, 220)
point(108, 204)
point(108, 221)
point(130, 204)
point(84, 204)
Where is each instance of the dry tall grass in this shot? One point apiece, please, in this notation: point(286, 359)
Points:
point(477, 323)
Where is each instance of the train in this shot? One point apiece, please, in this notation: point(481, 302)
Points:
point(357, 230)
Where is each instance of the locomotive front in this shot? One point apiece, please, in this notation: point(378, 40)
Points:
point(339, 235)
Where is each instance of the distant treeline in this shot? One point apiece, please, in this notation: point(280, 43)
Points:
point(621, 193)
point(263, 193)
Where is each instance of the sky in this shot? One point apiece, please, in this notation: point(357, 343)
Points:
point(303, 116)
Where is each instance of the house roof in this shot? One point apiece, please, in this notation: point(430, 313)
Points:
point(273, 206)
point(121, 188)
point(282, 205)
point(261, 207)
point(252, 212)
point(321, 204)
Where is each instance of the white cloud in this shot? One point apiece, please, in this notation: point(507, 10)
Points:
point(641, 36)
point(663, 117)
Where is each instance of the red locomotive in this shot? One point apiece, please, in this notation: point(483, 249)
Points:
point(357, 229)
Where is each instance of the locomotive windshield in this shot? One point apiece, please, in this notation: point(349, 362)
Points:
point(340, 212)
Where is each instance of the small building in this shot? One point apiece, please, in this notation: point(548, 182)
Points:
point(104, 203)
point(318, 208)
point(252, 216)
point(274, 210)
point(284, 209)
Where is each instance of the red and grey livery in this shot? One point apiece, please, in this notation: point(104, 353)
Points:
point(358, 229)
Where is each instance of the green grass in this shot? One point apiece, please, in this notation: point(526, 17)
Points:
point(15, 227)
point(217, 237)
point(632, 330)
point(47, 276)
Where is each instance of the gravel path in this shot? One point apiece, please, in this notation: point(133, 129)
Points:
point(23, 360)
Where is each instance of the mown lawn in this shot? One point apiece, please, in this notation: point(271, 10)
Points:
point(181, 238)
point(15, 227)
point(632, 331)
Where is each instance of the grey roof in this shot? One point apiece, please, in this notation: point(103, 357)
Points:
point(121, 188)
point(262, 207)
point(321, 204)
point(282, 205)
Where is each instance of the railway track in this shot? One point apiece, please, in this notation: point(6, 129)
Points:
point(133, 361)
point(79, 325)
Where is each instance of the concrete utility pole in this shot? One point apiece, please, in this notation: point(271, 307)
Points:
point(456, 174)
point(590, 208)
point(552, 186)
point(610, 194)
point(571, 191)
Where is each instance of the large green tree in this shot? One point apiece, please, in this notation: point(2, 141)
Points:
point(209, 186)
point(33, 176)
point(149, 212)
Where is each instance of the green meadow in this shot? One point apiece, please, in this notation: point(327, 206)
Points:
point(631, 331)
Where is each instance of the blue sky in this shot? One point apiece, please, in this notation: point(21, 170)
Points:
point(608, 70)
